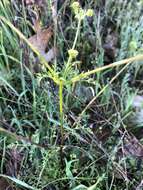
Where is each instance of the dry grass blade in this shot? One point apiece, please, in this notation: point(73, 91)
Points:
point(54, 10)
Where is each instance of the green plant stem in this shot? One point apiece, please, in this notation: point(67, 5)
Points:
point(77, 34)
point(61, 109)
point(61, 122)
point(73, 47)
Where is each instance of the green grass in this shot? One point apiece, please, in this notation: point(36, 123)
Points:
point(64, 123)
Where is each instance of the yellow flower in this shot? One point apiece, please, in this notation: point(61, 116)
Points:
point(81, 15)
point(73, 53)
point(89, 12)
point(75, 5)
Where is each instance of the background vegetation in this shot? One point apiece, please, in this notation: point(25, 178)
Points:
point(59, 129)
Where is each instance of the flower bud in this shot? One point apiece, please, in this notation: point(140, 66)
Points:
point(89, 12)
point(73, 53)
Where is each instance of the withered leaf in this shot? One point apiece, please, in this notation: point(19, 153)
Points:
point(132, 146)
point(110, 45)
point(41, 39)
point(51, 54)
point(137, 101)
point(37, 25)
point(13, 162)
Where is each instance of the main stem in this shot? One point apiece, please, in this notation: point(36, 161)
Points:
point(61, 110)
point(74, 44)
point(61, 122)
point(77, 33)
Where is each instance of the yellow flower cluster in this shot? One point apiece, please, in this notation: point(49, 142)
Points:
point(79, 12)
point(73, 53)
point(75, 6)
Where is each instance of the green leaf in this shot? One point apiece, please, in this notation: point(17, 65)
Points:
point(80, 187)
point(68, 169)
point(94, 187)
